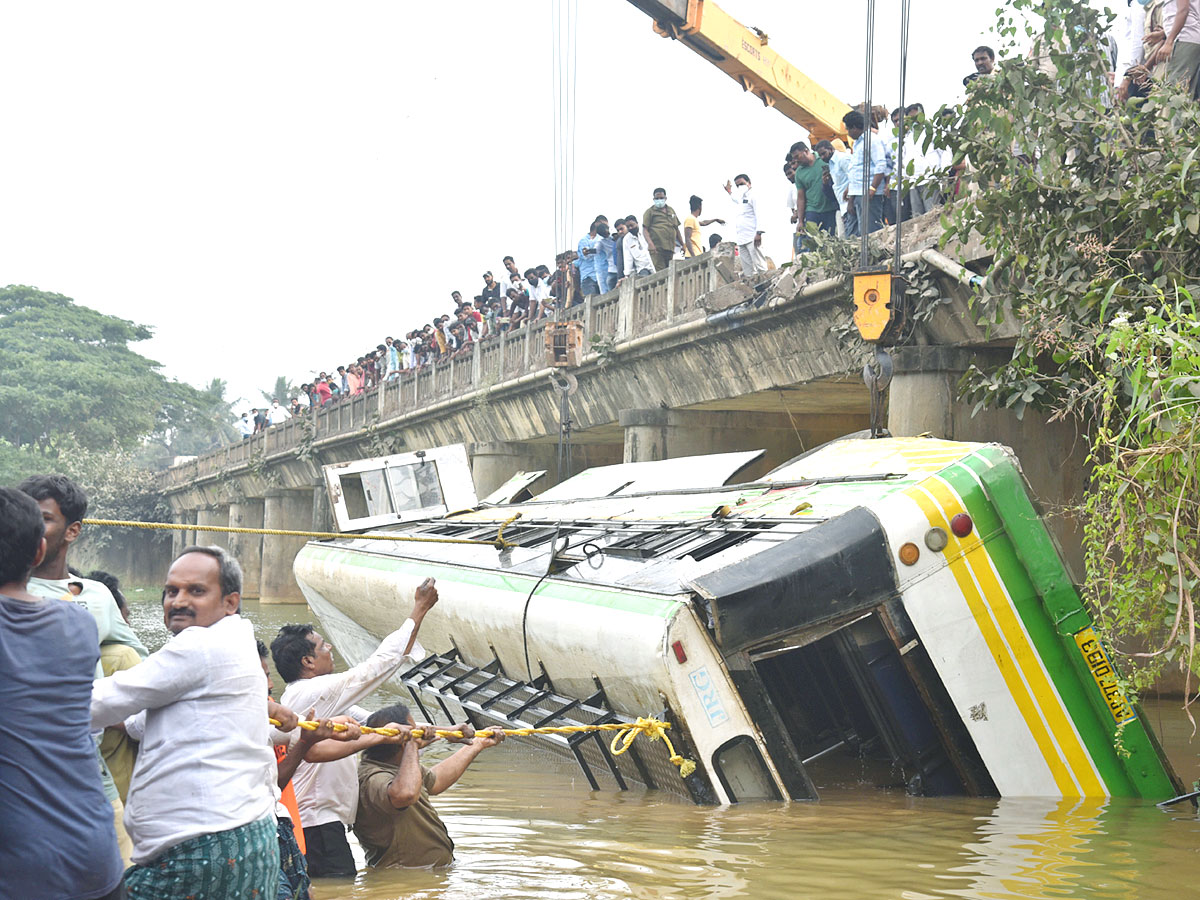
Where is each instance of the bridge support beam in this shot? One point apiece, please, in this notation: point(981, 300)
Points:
point(287, 510)
point(924, 399)
point(247, 548)
point(212, 515)
point(652, 434)
point(179, 539)
point(494, 463)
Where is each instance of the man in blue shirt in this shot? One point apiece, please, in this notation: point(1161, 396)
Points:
point(588, 256)
point(870, 204)
point(56, 826)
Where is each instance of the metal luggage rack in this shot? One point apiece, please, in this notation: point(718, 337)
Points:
point(489, 697)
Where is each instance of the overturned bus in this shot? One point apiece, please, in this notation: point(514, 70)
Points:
point(894, 609)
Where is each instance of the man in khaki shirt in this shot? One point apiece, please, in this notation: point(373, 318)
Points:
point(396, 824)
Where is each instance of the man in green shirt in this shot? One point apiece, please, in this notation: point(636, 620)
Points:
point(660, 226)
point(395, 822)
point(813, 202)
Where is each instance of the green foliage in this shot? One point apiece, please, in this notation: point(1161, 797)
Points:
point(116, 486)
point(71, 380)
point(1142, 518)
point(191, 421)
point(1092, 214)
point(67, 368)
point(283, 391)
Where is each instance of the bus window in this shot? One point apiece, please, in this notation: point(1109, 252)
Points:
point(742, 771)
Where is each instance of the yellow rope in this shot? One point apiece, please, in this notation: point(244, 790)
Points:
point(654, 730)
point(625, 734)
point(499, 542)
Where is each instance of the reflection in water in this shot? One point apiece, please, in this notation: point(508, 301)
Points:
point(1032, 848)
point(527, 826)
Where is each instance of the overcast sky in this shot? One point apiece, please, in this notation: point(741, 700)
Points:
point(273, 187)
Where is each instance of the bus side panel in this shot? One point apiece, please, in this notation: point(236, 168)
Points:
point(1118, 739)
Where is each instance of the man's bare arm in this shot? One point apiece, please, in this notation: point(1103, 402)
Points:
point(449, 770)
point(426, 598)
point(405, 787)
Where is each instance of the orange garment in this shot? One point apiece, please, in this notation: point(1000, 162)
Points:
point(288, 799)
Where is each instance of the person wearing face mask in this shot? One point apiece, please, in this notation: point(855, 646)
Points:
point(661, 230)
point(634, 249)
point(539, 290)
point(616, 259)
point(517, 283)
point(745, 226)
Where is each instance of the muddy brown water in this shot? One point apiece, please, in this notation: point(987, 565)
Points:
point(526, 827)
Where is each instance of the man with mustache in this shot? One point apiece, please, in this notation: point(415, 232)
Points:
point(201, 811)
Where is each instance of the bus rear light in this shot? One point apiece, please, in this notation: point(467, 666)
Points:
point(680, 656)
point(909, 554)
point(961, 525)
point(936, 539)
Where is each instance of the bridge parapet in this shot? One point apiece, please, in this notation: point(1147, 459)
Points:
point(688, 361)
point(639, 307)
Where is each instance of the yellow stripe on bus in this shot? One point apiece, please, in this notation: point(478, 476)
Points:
point(1068, 739)
point(1005, 662)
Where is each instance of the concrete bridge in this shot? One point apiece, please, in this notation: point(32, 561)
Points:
point(689, 360)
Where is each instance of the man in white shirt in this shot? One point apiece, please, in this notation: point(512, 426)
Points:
point(793, 202)
point(277, 414)
point(929, 165)
point(539, 292)
point(745, 226)
point(635, 253)
point(201, 812)
point(327, 793)
point(1181, 49)
point(869, 203)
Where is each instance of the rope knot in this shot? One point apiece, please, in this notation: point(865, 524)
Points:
point(655, 730)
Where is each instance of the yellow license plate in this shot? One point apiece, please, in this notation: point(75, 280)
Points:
point(1104, 675)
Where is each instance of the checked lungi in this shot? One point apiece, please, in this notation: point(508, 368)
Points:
point(293, 872)
point(238, 864)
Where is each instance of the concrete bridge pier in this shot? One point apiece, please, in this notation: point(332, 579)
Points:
point(924, 399)
point(247, 548)
point(180, 539)
point(212, 515)
point(652, 434)
point(288, 510)
point(494, 463)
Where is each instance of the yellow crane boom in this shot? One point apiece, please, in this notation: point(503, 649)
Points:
point(742, 53)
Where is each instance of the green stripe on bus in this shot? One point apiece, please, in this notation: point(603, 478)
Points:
point(511, 582)
point(1052, 611)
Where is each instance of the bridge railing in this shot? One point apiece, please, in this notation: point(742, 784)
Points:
point(639, 306)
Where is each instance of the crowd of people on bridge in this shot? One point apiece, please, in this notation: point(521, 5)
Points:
point(838, 189)
point(604, 257)
point(846, 191)
point(174, 774)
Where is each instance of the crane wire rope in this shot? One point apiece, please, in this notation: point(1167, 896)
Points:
point(564, 27)
point(868, 78)
point(574, 39)
point(905, 13)
point(555, 66)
